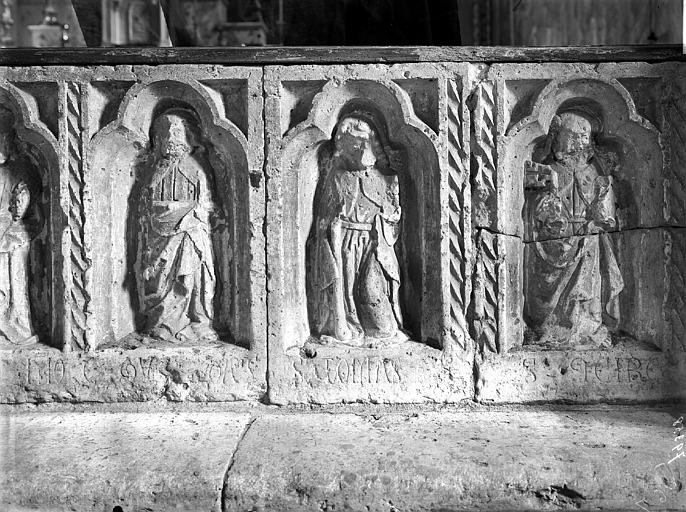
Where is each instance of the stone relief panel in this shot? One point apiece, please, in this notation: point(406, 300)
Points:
point(572, 260)
point(30, 289)
point(424, 232)
point(165, 271)
point(369, 194)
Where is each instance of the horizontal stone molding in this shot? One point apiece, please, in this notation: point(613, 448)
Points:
point(337, 55)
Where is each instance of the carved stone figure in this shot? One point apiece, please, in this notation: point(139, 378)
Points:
point(572, 280)
point(176, 282)
point(354, 275)
point(20, 222)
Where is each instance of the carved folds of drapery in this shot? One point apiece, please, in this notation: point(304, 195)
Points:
point(398, 233)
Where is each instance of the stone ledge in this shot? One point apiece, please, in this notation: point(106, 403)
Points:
point(80, 461)
point(381, 458)
point(488, 459)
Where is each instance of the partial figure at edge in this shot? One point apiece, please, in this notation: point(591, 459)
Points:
point(20, 223)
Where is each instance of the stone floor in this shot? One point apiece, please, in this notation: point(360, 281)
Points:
point(252, 457)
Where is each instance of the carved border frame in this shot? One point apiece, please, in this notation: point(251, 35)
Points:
point(423, 373)
point(507, 372)
point(79, 371)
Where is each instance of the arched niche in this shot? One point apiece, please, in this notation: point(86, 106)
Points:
point(633, 139)
point(120, 152)
point(629, 149)
point(36, 156)
point(417, 163)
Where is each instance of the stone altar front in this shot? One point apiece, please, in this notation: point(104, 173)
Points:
point(432, 231)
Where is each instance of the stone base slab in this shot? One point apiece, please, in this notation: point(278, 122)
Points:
point(250, 457)
point(609, 459)
point(215, 373)
point(99, 461)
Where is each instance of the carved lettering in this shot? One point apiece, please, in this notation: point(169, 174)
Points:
point(598, 372)
point(360, 371)
point(357, 371)
point(530, 365)
point(87, 370)
point(239, 370)
point(633, 369)
point(128, 370)
point(148, 366)
point(103, 375)
point(391, 370)
point(343, 371)
point(621, 369)
point(214, 372)
point(43, 372)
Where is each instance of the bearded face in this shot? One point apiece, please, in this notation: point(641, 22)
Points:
point(573, 143)
point(172, 138)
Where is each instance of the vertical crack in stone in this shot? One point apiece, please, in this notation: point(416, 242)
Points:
point(457, 179)
point(222, 493)
point(80, 264)
point(265, 227)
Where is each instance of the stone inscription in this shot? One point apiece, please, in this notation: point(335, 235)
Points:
point(53, 371)
point(609, 370)
point(348, 371)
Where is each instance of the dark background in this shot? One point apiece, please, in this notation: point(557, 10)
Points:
point(352, 22)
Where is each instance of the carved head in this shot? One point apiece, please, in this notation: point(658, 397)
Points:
point(357, 143)
point(6, 134)
point(19, 200)
point(572, 138)
point(173, 134)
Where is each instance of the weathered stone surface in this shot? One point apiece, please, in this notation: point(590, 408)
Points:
point(380, 238)
point(583, 376)
point(409, 372)
point(209, 373)
point(419, 229)
point(578, 232)
point(598, 459)
point(100, 461)
point(129, 264)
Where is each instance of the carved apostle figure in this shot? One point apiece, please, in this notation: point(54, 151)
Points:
point(354, 272)
point(572, 280)
point(177, 277)
point(19, 224)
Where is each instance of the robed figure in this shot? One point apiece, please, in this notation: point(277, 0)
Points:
point(572, 279)
point(354, 276)
point(177, 277)
point(20, 223)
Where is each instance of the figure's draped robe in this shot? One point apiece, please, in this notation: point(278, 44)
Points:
point(176, 248)
point(16, 324)
point(572, 279)
point(356, 275)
